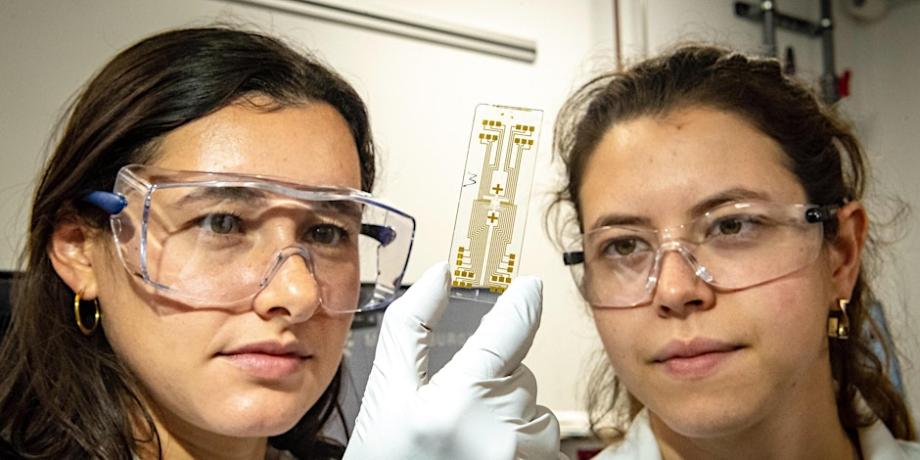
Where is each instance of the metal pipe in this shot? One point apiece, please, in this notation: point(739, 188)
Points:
point(617, 35)
point(769, 27)
point(829, 74)
point(782, 21)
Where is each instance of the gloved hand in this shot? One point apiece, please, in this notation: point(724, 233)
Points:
point(480, 406)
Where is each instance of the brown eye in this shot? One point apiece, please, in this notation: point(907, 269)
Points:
point(221, 224)
point(327, 234)
point(730, 226)
point(622, 247)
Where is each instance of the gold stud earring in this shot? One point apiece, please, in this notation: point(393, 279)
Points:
point(97, 316)
point(838, 322)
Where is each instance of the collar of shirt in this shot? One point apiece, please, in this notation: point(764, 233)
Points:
point(876, 441)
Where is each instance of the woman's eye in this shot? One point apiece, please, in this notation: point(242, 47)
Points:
point(623, 247)
point(221, 224)
point(327, 234)
point(730, 226)
point(737, 226)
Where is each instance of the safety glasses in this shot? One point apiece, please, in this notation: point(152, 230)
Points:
point(733, 246)
point(215, 240)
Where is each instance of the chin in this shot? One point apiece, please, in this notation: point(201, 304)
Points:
point(259, 417)
point(698, 417)
point(259, 427)
point(255, 430)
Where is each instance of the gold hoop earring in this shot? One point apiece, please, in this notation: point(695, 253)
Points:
point(838, 322)
point(87, 331)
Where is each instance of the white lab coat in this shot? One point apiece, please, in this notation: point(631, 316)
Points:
point(876, 441)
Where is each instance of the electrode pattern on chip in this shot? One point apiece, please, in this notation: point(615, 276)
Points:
point(494, 196)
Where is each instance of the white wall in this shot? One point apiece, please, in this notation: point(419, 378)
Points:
point(885, 108)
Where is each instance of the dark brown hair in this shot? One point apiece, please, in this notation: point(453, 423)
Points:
point(822, 152)
point(63, 395)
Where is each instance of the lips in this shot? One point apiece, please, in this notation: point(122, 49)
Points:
point(267, 360)
point(694, 359)
point(270, 348)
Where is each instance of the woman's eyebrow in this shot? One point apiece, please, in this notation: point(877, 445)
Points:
point(607, 220)
point(726, 196)
point(243, 194)
point(348, 208)
point(731, 195)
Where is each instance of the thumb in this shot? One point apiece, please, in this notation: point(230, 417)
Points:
point(505, 334)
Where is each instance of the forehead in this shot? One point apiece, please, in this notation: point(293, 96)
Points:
point(665, 164)
point(307, 144)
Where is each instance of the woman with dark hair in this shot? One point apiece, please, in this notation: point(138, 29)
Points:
point(719, 238)
point(196, 247)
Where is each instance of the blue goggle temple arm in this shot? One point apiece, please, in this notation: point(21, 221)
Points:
point(109, 202)
point(385, 235)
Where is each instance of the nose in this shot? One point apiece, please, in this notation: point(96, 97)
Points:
point(681, 289)
point(290, 288)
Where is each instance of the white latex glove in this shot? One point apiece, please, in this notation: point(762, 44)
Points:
point(480, 406)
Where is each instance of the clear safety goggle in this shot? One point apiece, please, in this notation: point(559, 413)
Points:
point(215, 240)
point(733, 246)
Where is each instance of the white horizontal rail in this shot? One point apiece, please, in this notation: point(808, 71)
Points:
point(424, 29)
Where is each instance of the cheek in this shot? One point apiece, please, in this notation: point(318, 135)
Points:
point(166, 356)
point(342, 291)
point(789, 318)
point(164, 352)
point(329, 334)
point(620, 332)
point(140, 337)
point(160, 351)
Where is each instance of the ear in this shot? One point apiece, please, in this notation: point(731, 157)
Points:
point(70, 251)
point(846, 249)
